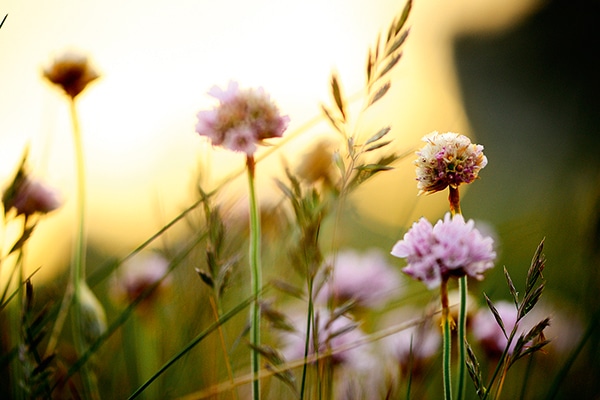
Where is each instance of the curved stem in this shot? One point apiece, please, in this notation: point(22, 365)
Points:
point(255, 280)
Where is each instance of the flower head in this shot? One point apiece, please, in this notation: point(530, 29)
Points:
point(413, 346)
point(365, 278)
point(29, 196)
point(243, 119)
point(138, 274)
point(452, 247)
point(72, 72)
point(447, 159)
point(335, 335)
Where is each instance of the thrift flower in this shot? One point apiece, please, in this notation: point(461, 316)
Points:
point(243, 119)
point(355, 364)
point(72, 72)
point(28, 196)
point(336, 335)
point(452, 247)
point(137, 275)
point(412, 347)
point(365, 278)
point(447, 159)
point(488, 333)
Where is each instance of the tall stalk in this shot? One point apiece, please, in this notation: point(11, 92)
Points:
point(454, 200)
point(447, 340)
point(77, 273)
point(255, 277)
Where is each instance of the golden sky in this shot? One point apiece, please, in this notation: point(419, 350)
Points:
point(158, 58)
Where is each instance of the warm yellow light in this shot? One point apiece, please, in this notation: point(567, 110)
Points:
point(157, 60)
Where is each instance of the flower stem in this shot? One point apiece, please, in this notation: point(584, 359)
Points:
point(309, 320)
point(255, 279)
point(462, 336)
point(77, 273)
point(447, 340)
point(454, 199)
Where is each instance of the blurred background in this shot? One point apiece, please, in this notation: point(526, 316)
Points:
point(519, 77)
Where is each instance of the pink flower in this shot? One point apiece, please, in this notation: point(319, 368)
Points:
point(365, 278)
point(242, 120)
point(452, 247)
point(415, 344)
point(138, 274)
point(448, 159)
point(487, 331)
point(338, 336)
point(28, 196)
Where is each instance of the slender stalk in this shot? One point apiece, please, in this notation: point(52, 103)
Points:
point(454, 200)
point(77, 273)
point(309, 320)
point(462, 336)
point(78, 265)
point(15, 314)
point(217, 311)
point(501, 365)
point(447, 340)
point(255, 277)
point(147, 352)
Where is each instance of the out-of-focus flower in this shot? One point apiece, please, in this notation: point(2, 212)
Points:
point(137, 275)
point(452, 247)
point(29, 196)
point(364, 278)
point(242, 120)
point(334, 336)
point(317, 163)
point(412, 347)
point(355, 365)
point(488, 333)
point(72, 72)
point(447, 159)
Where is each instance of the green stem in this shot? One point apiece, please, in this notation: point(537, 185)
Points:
point(77, 273)
point(309, 320)
point(462, 336)
point(78, 265)
point(447, 340)
point(255, 278)
point(146, 351)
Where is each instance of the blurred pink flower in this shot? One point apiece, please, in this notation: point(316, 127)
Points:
point(137, 274)
point(366, 278)
point(338, 336)
point(28, 196)
point(452, 247)
point(488, 333)
point(414, 345)
point(242, 120)
point(447, 159)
